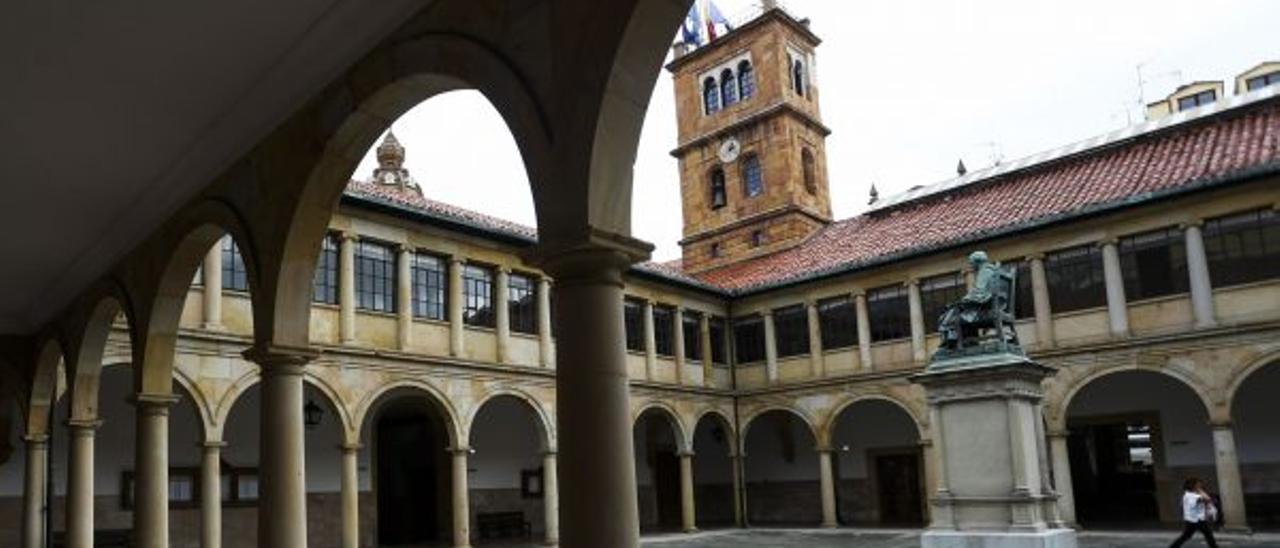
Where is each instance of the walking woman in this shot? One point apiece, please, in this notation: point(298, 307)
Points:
point(1197, 512)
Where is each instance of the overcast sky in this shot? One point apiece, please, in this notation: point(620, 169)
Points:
point(908, 88)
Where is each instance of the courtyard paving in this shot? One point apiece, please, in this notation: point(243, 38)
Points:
point(810, 538)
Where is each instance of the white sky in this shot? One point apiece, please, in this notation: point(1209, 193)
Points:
point(908, 87)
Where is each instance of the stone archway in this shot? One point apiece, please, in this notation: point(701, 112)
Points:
point(1256, 427)
point(879, 465)
point(715, 495)
point(510, 461)
point(781, 470)
point(659, 445)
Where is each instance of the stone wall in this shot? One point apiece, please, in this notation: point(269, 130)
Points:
point(784, 503)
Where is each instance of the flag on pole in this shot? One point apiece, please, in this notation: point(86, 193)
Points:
point(715, 17)
point(704, 23)
point(691, 30)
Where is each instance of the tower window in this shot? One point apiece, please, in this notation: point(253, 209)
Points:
point(728, 88)
point(1203, 98)
point(752, 178)
point(798, 80)
point(810, 175)
point(757, 238)
point(747, 80)
point(710, 95)
point(714, 250)
point(718, 198)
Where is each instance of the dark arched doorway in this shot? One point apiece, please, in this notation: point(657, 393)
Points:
point(1256, 419)
point(657, 446)
point(713, 471)
point(412, 473)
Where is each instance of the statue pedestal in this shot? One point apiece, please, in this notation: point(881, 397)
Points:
point(994, 489)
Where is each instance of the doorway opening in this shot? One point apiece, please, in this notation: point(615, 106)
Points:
point(413, 475)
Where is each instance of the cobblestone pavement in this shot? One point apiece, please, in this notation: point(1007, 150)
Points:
point(802, 538)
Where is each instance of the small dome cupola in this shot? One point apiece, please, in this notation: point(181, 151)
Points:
point(390, 170)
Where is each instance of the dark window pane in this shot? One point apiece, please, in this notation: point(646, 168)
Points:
point(936, 293)
point(889, 313)
point(664, 330)
point(838, 321)
point(477, 296)
point(692, 327)
point(791, 331)
point(718, 332)
point(1243, 248)
point(234, 275)
point(375, 277)
point(747, 81)
point(728, 88)
point(522, 303)
point(1202, 98)
point(1075, 278)
point(1259, 82)
point(324, 286)
point(633, 316)
point(710, 96)
point(748, 339)
point(430, 286)
point(1154, 264)
point(1024, 305)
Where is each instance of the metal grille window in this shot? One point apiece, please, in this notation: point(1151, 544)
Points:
point(838, 322)
point(718, 331)
point(889, 313)
point(430, 286)
point(234, 274)
point(1024, 303)
point(664, 341)
point(1075, 278)
point(375, 277)
point(752, 178)
point(936, 293)
point(477, 296)
point(633, 317)
point(748, 339)
point(791, 331)
point(1154, 264)
point(522, 303)
point(1203, 98)
point(691, 324)
point(324, 286)
point(1243, 248)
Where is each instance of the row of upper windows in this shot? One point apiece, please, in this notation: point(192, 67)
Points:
point(728, 88)
point(664, 331)
point(1239, 248)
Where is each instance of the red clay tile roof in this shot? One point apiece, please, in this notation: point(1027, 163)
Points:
point(413, 200)
point(1181, 157)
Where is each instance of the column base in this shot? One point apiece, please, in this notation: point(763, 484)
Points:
point(1051, 538)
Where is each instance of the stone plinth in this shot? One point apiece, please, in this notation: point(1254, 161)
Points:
point(993, 484)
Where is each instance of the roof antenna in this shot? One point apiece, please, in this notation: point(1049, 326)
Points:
point(875, 195)
point(960, 169)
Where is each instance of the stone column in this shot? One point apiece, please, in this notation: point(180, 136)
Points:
point(151, 470)
point(461, 505)
point(704, 334)
point(80, 482)
point(347, 288)
point(1198, 271)
point(827, 484)
point(739, 482)
point(1040, 299)
point(546, 351)
point(930, 461)
point(212, 272)
point(404, 297)
point(1062, 476)
point(770, 347)
point(688, 511)
point(817, 362)
point(1117, 307)
point(33, 493)
point(650, 343)
point(593, 413)
point(864, 330)
point(550, 498)
point(211, 494)
point(1230, 488)
point(918, 352)
point(456, 348)
point(282, 477)
point(350, 495)
point(677, 336)
point(502, 316)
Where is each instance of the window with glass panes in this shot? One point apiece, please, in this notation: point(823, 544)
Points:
point(324, 287)
point(1243, 248)
point(430, 278)
point(477, 296)
point(752, 176)
point(748, 339)
point(1154, 264)
point(889, 313)
point(633, 318)
point(1075, 278)
point(936, 293)
point(375, 277)
point(1259, 82)
point(838, 322)
point(522, 303)
point(664, 341)
point(691, 324)
point(1192, 101)
point(791, 331)
point(718, 328)
point(234, 274)
point(1024, 305)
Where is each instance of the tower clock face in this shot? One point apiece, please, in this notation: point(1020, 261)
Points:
point(729, 149)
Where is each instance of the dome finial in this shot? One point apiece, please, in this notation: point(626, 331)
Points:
point(390, 170)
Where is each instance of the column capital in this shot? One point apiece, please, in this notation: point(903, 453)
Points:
point(824, 449)
point(548, 453)
point(766, 313)
point(685, 453)
point(811, 303)
point(595, 257)
point(83, 427)
point(404, 248)
point(503, 269)
point(1057, 433)
point(153, 404)
point(37, 440)
point(280, 359)
point(859, 293)
point(1108, 241)
point(348, 447)
point(913, 282)
point(1221, 424)
point(463, 450)
point(348, 236)
point(209, 445)
point(1037, 256)
point(457, 260)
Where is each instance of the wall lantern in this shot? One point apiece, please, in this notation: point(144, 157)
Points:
point(311, 414)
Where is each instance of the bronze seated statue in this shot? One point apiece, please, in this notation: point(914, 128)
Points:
point(982, 320)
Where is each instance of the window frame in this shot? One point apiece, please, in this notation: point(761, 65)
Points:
point(1226, 239)
point(791, 331)
point(752, 172)
point(1197, 99)
point(479, 308)
point(809, 171)
point(897, 325)
point(936, 292)
point(522, 303)
point(1083, 263)
point(746, 80)
point(710, 96)
point(1024, 298)
point(633, 324)
point(718, 327)
point(235, 274)
point(728, 89)
point(664, 334)
point(380, 282)
point(326, 283)
point(1262, 80)
point(421, 278)
point(692, 319)
point(1141, 281)
point(750, 350)
point(838, 322)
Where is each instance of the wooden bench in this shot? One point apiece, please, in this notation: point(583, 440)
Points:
point(503, 525)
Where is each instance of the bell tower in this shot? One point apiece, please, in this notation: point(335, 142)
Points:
point(753, 168)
